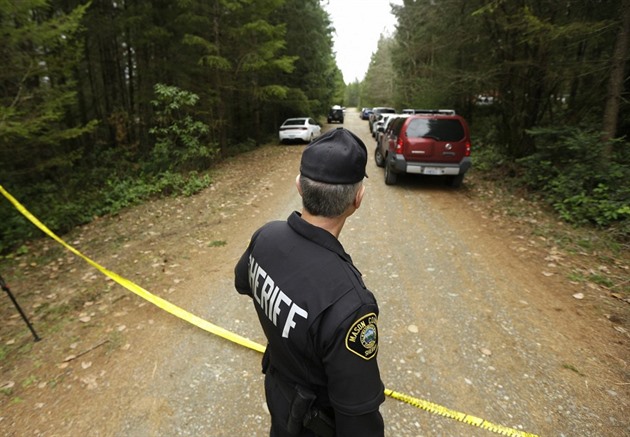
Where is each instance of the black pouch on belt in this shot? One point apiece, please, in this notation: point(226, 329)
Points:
point(320, 423)
point(300, 405)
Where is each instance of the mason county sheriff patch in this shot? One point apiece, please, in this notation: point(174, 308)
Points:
point(362, 337)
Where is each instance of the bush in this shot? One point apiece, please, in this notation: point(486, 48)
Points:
point(568, 168)
point(179, 139)
point(122, 193)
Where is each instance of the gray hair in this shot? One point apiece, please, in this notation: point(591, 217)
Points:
point(327, 200)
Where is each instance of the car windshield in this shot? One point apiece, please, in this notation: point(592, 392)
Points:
point(441, 130)
point(295, 122)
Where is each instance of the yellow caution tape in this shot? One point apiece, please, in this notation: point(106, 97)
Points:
point(235, 338)
point(452, 414)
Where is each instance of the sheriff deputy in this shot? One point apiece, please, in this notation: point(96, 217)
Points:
point(320, 320)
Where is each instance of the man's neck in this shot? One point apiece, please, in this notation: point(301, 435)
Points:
point(332, 225)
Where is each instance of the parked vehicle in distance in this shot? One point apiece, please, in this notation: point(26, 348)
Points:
point(365, 113)
point(335, 114)
point(376, 112)
point(482, 100)
point(377, 127)
point(436, 143)
point(302, 129)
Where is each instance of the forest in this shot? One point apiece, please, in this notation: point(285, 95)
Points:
point(107, 103)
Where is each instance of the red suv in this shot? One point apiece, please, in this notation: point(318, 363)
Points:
point(435, 142)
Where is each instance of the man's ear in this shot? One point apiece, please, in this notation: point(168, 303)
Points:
point(359, 197)
point(297, 184)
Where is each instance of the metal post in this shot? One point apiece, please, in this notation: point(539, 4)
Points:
point(6, 288)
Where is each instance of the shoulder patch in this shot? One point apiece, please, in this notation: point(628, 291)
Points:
point(362, 337)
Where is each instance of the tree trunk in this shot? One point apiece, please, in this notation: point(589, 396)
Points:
point(616, 79)
point(221, 104)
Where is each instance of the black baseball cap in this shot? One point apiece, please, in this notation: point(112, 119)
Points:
point(336, 157)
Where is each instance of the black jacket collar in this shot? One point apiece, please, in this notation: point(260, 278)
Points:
point(317, 235)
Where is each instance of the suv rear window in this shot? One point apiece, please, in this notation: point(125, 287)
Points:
point(439, 129)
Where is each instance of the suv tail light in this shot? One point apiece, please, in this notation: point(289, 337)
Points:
point(467, 152)
point(399, 144)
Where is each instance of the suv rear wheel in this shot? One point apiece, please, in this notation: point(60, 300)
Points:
point(379, 158)
point(390, 176)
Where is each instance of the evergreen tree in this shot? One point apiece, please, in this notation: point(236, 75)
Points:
point(316, 83)
point(378, 85)
point(39, 50)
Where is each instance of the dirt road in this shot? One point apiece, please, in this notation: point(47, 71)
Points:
point(476, 316)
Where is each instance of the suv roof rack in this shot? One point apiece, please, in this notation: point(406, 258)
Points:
point(435, 111)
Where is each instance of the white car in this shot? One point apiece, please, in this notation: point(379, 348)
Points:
point(303, 129)
point(381, 122)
